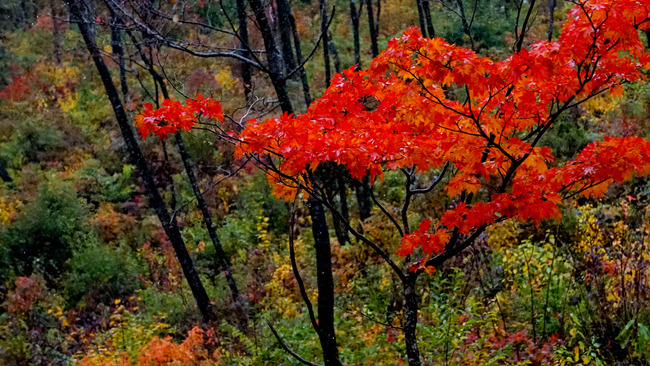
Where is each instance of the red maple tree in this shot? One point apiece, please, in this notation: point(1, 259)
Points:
point(425, 105)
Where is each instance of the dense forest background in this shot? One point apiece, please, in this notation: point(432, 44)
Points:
point(118, 250)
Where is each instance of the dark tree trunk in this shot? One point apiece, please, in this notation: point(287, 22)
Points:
point(118, 51)
point(339, 226)
point(325, 282)
point(325, 278)
point(284, 11)
point(242, 31)
point(301, 71)
point(222, 258)
point(326, 41)
point(21, 20)
point(362, 191)
point(466, 26)
point(354, 17)
point(374, 46)
point(423, 26)
point(83, 19)
point(223, 262)
point(273, 56)
point(551, 13)
point(426, 9)
point(411, 320)
point(56, 34)
point(335, 54)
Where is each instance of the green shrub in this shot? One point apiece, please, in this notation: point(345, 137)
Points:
point(31, 142)
point(101, 273)
point(96, 185)
point(47, 230)
point(566, 139)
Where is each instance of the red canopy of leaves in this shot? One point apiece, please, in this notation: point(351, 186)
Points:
point(174, 116)
point(425, 103)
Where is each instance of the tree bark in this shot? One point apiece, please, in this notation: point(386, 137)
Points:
point(335, 54)
point(411, 320)
point(326, 41)
point(222, 259)
point(325, 282)
point(343, 199)
point(354, 17)
point(426, 9)
point(296, 43)
point(325, 277)
point(423, 26)
point(362, 191)
point(56, 34)
point(466, 26)
point(284, 11)
point(273, 56)
point(83, 19)
point(374, 46)
point(242, 32)
point(551, 13)
point(118, 51)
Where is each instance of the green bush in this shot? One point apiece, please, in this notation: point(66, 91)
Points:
point(31, 142)
point(47, 230)
point(96, 185)
point(101, 273)
point(566, 138)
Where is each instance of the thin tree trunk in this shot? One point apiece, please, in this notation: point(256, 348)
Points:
point(335, 54)
point(362, 191)
point(374, 46)
point(222, 258)
point(303, 74)
point(466, 26)
point(118, 51)
point(325, 277)
point(426, 9)
point(273, 57)
point(22, 19)
point(284, 11)
point(411, 320)
point(423, 26)
point(56, 34)
point(551, 13)
point(135, 153)
point(354, 17)
point(341, 229)
point(242, 31)
point(326, 41)
point(325, 281)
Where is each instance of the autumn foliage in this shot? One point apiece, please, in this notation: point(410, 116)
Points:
point(174, 116)
point(427, 104)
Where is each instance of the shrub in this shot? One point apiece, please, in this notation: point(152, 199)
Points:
point(46, 231)
point(31, 142)
point(101, 273)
